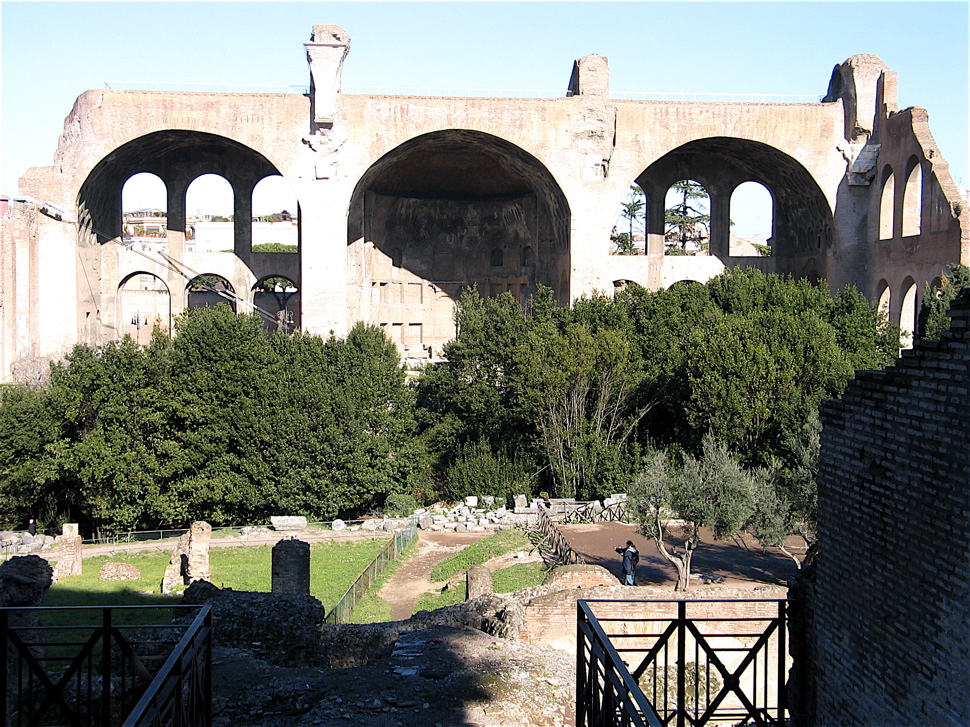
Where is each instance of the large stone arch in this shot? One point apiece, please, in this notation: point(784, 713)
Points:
point(444, 211)
point(177, 157)
point(803, 226)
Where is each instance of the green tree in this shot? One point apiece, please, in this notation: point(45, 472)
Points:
point(687, 221)
point(787, 502)
point(275, 247)
point(713, 491)
point(26, 430)
point(934, 312)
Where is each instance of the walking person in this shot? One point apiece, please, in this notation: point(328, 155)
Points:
point(32, 527)
point(631, 557)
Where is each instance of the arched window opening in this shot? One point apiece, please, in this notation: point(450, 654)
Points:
point(278, 300)
point(687, 219)
point(275, 221)
point(884, 299)
point(209, 215)
point(886, 205)
point(144, 201)
point(913, 199)
point(496, 257)
point(528, 257)
point(629, 228)
point(144, 303)
point(907, 312)
point(751, 220)
point(207, 291)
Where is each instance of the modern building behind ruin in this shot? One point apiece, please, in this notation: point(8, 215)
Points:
point(405, 200)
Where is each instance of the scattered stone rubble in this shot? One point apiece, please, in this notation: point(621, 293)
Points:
point(24, 543)
point(119, 572)
point(280, 628)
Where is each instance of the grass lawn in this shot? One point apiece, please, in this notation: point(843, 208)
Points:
point(333, 567)
point(506, 580)
point(502, 542)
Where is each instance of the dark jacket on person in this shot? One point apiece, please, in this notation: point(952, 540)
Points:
point(630, 559)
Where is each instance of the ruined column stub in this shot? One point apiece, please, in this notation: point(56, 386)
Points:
point(857, 82)
point(69, 556)
point(325, 53)
point(200, 533)
point(291, 567)
point(591, 77)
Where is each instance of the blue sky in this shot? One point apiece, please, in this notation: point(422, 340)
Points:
point(52, 52)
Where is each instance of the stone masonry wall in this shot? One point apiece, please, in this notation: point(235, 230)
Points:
point(893, 594)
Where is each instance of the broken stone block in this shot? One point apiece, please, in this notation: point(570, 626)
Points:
point(338, 525)
point(479, 582)
point(424, 522)
point(288, 522)
point(370, 525)
point(520, 501)
point(471, 501)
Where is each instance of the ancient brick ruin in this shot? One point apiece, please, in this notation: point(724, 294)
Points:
point(892, 601)
point(408, 200)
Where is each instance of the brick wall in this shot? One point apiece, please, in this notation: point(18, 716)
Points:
point(550, 620)
point(892, 606)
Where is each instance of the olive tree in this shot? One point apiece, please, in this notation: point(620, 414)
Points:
point(712, 491)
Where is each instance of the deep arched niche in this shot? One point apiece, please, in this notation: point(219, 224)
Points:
point(445, 211)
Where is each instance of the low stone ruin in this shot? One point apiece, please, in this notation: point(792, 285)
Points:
point(119, 572)
point(280, 628)
point(24, 580)
point(190, 558)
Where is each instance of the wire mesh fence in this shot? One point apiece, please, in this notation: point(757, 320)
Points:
point(344, 607)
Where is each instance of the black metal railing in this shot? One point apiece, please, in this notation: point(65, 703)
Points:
point(720, 662)
point(106, 667)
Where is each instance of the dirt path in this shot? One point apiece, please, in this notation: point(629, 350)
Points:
point(412, 579)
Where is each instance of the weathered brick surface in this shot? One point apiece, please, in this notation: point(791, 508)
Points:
point(893, 597)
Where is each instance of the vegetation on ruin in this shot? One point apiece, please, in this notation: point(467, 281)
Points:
point(933, 318)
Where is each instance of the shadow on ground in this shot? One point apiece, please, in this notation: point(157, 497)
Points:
point(738, 564)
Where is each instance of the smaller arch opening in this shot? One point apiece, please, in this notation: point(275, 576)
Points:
point(496, 257)
point(144, 201)
point(629, 227)
point(207, 291)
point(274, 223)
point(752, 220)
point(913, 199)
point(883, 298)
point(886, 204)
point(210, 215)
point(144, 303)
point(528, 256)
point(687, 219)
point(278, 296)
point(908, 310)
